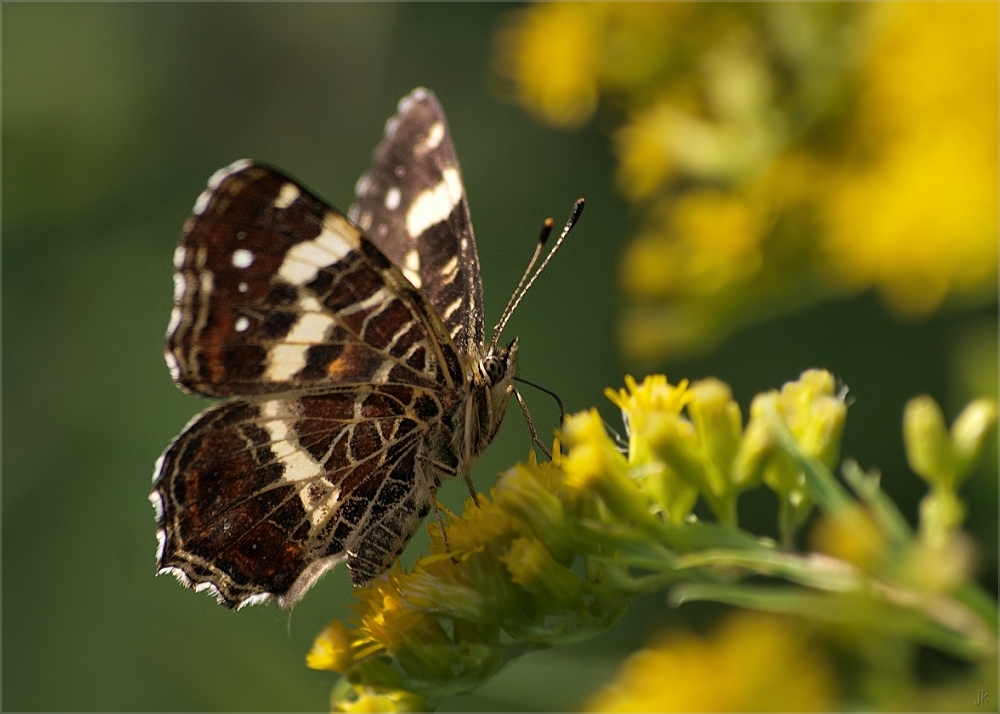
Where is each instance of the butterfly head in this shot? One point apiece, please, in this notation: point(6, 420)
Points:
point(495, 377)
point(498, 366)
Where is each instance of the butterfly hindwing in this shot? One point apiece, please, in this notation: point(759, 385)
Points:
point(412, 205)
point(260, 497)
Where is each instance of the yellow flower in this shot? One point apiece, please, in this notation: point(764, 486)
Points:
point(597, 474)
point(655, 394)
point(645, 150)
point(332, 649)
point(751, 662)
point(532, 567)
point(915, 211)
point(868, 160)
point(850, 534)
point(360, 700)
point(386, 620)
point(941, 457)
point(940, 567)
point(815, 414)
point(722, 232)
point(557, 551)
point(560, 56)
point(551, 53)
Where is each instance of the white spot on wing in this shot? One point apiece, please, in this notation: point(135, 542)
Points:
point(310, 304)
point(433, 140)
point(242, 258)
point(283, 361)
point(390, 126)
point(287, 195)
point(305, 260)
point(411, 268)
point(299, 467)
point(161, 541)
point(362, 187)
point(252, 600)
point(242, 324)
point(382, 373)
point(435, 204)
point(449, 270)
point(310, 329)
point(417, 95)
point(215, 180)
point(286, 359)
point(450, 309)
point(201, 203)
point(154, 497)
point(180, 287)
point(172, 366)
point(392, 198)
point(179, 254)
point(175, 320)
point(243, 287)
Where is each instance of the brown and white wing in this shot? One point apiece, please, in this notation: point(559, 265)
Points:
point(276, 291)
point(257, 499)
point(342, 373)
point(412, 205)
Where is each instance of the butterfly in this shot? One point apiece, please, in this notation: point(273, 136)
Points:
point(352, 357)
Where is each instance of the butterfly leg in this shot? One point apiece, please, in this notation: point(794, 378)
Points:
point(531, 424)
point(444, 534)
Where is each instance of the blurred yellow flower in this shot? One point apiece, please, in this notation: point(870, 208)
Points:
point(559, 56)
point(914, 210)
point(781, 153)
point(552, 53)
point(332, 649)
point(751, 662)
point(645, 150)
point(852, 535)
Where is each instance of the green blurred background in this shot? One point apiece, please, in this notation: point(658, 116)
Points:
point(114, 116)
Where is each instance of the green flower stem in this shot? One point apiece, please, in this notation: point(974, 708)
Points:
point(813, 571)
point(981, 603)
point(863, 611)
point(869, 490)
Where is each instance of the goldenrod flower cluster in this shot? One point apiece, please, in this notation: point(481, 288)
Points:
point(752, 662)
point(557, 550)
point(780, 153)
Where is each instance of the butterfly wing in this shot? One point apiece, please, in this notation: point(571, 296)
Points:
point(412, 205)
point(259, 498)
point(275, 291)
point(345, 379)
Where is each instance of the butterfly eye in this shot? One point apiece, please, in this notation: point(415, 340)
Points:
point(494, 368)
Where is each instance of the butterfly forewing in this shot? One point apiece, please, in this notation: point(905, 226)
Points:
point(276, 291)
point(412, 205)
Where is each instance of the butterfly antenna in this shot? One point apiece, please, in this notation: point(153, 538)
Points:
point(525, 283)
point(543, 238)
